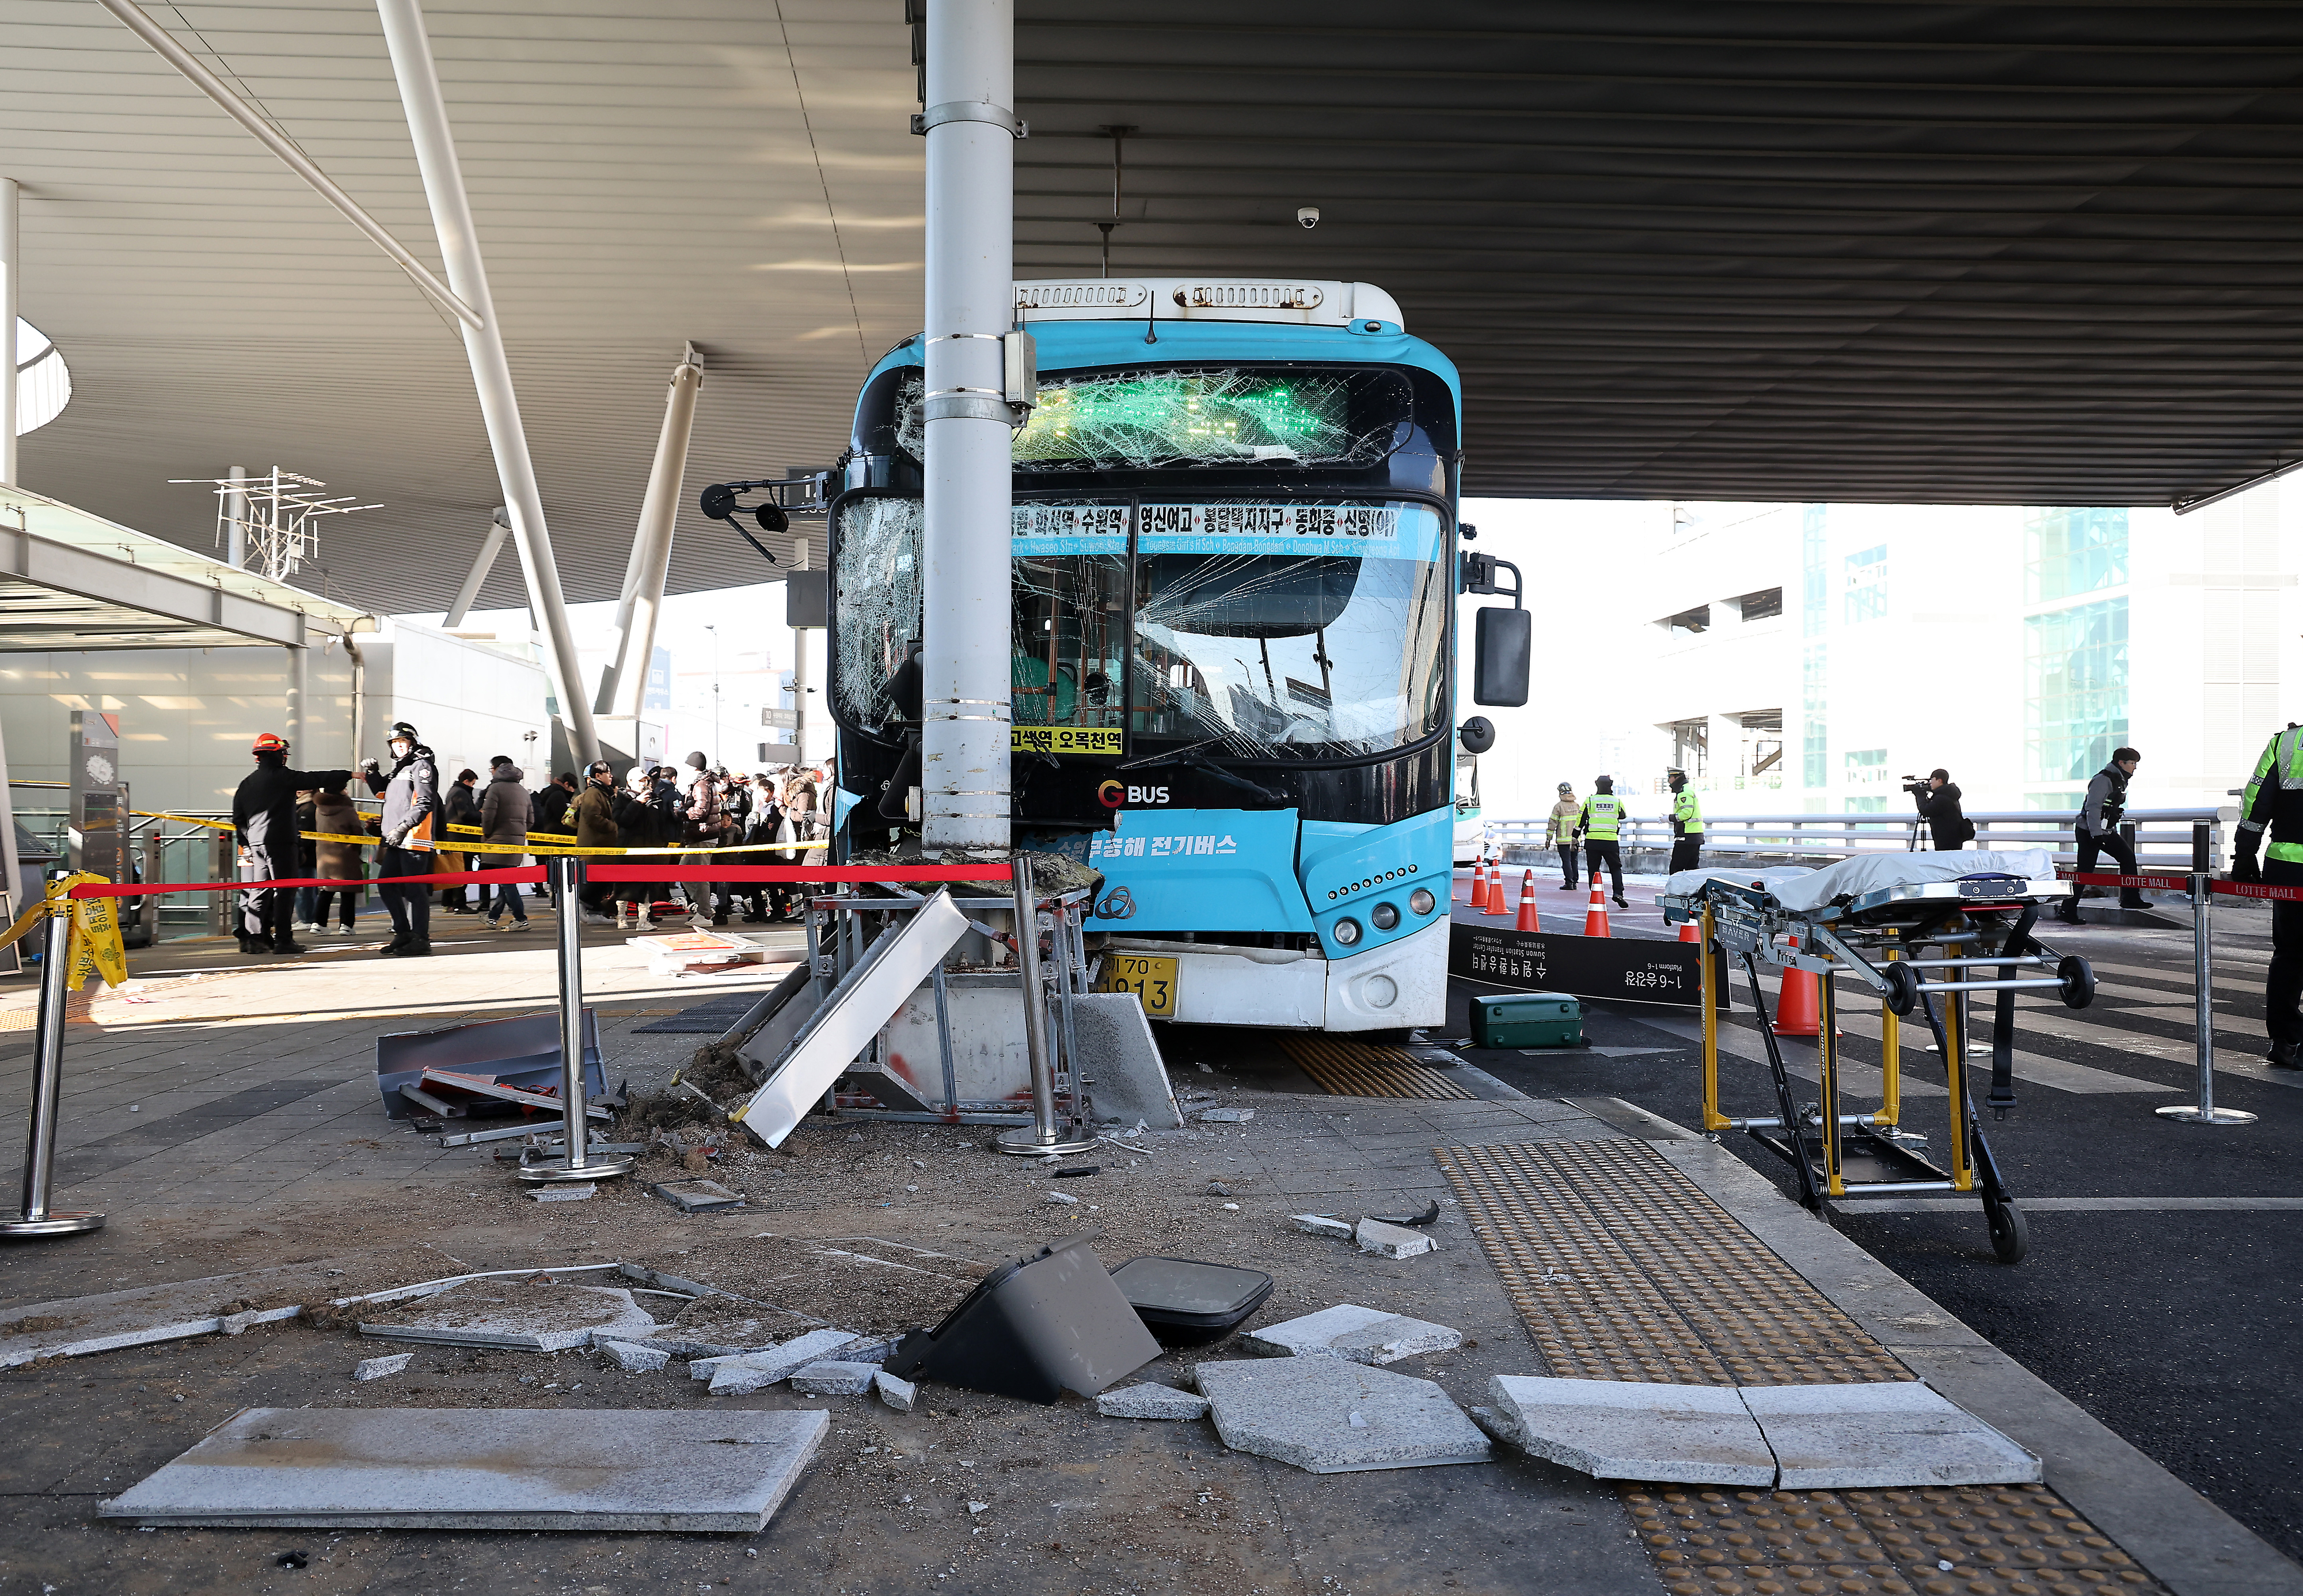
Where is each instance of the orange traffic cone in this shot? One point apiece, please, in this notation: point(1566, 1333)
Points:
point(1798, 1005)
point(1496, 904)
point(1478, 883)
point(1527, 920)
point(1595, 919)
point(1688, 933)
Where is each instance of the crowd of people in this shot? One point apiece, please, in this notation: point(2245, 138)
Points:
point(415, 818)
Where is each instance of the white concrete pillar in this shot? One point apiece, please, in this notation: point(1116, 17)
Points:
point(299, 660)
point(970, 302)
point(235, 518)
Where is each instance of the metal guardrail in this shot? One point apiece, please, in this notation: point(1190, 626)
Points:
point(2163, 839)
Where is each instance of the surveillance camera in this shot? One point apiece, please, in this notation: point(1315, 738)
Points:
point(1307, 216)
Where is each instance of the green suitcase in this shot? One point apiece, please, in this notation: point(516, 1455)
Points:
point(1528, 1019)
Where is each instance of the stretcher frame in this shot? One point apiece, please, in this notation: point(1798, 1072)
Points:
point(1883, 939)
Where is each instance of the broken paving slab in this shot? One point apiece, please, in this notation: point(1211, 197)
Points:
point(377, 1368)
point(1320, 1224)
point(897, 1393)
point(635, 1359)
point(1151, 1401)
point(1633, 1429)
point(749, 1372)
point(1392, 1241)
point(834, 1377)
point(697, 1196)
point(722, 1470)
point(1331, 1417)
point(525, 1314)
point(721, 1326)
point(1356, 1334)
point(1880, 1436)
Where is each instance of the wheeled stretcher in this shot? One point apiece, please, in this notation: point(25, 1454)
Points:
point(1922, 931)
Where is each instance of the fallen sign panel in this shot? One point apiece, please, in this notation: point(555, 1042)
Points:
point(724, 1471)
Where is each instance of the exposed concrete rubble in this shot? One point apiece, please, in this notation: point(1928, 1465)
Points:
point(753, 1371)
point(897, 1393)
point(1392, 1241)
point(532, 1315)
point(1330, 1416)
point(1355, 1334)
point(635, 1359)
point(834, 1377)
point(377, 1368)
point(1150, 1401)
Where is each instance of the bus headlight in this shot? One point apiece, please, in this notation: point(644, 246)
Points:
point(1385, 914)
point(1346, 931)
point(1421, 902)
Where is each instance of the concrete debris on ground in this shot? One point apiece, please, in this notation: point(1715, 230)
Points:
point(722, 1326)
point(377, 1368)
point(634, 1359)
point(897, 1393)
point(1330, 1416)
point(834, 1377)
point(1150, 1401)
point(1061, 1199)
point(1879, 1436)
point(483, 1469)
point(697, 1196)
point(527, 1314)
point(1354, 1333)
point(1320, 1224)
point(1225, 1116)
point(1217, 1188)
point(1392, 1241)
point(749, 1372)
point(1633, 1429)
point(576, 1192)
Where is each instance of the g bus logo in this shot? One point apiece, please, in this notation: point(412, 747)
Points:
point(1113, 794)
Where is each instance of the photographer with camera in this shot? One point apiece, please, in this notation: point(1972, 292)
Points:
point(1937, 798)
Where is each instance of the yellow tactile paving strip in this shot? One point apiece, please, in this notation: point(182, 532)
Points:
point(1365, 1070)
point(1623, 1269)
point(1998, 1540)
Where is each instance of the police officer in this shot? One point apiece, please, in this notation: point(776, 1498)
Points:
point(2273, 796)
point(2098, 832)
point(1599, 823)
point(1686, 822)
point(1559, 832)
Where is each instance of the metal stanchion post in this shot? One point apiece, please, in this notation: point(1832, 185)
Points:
point(36, 1218)
point(1044, 1136)
point(567, 877)
point(2203, 981)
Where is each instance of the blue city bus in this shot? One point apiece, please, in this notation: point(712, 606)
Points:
point(1233, 644)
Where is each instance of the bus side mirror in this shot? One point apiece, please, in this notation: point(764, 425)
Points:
point(1476, 735)
point(1501, 642)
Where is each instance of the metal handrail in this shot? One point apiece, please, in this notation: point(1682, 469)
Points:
point(2162, 838)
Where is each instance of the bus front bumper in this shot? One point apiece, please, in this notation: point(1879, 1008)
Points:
point(1399, 985)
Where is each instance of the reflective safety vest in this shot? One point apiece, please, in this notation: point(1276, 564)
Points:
point(2273, 796)
point(1687, 811)
point(1602, 817)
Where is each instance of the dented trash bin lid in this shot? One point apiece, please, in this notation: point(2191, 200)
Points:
point(1183, 1299)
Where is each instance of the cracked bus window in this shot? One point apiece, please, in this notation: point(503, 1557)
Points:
point(876, 591)
point(1271, 631)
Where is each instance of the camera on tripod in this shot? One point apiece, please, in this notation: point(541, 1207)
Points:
point(1916, 785)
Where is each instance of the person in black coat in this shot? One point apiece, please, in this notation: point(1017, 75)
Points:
point(1938, 803)
point(462, 802)
point(264, 825)
point(637, 826)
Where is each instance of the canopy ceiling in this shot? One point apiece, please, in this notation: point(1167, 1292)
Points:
point(1852, 251)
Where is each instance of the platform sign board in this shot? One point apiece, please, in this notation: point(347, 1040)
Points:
point(1623, 968)
point(98, 818)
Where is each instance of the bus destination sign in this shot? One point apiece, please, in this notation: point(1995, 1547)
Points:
point(1064, 739)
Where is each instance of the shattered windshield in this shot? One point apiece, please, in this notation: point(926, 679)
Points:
point(1224, 416)
point(1243, 629)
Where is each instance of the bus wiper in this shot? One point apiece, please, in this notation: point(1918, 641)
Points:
point(1191, 756)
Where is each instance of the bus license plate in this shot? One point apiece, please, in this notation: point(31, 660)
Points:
point(1151, 980)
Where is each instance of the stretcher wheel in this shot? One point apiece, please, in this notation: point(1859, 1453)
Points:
point(2011, 1233)
point(2077, 977)
point(1903, 988)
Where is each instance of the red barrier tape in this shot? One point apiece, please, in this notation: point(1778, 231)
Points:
point(2220, 887)
point(518, 874)
point(800, 873)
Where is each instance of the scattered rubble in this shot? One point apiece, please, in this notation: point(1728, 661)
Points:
point(749, 1372)
point(1354, 1333)
point(533, 1315)
point(834, 1377)
point(697, 1196)
point(635, 1359)
point(1225, 1116)
point(377, 1368)
point(1329, 1416)
point(573, 1193)
point(897, 1393)
point(1320, 1224)
point(1150, 1401)
point(1061, 1198)
point(1392, 1241)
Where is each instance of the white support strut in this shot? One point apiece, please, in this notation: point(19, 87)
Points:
point(623, 688)
point(459, 245)
point(11, 261)
point(965, 665)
